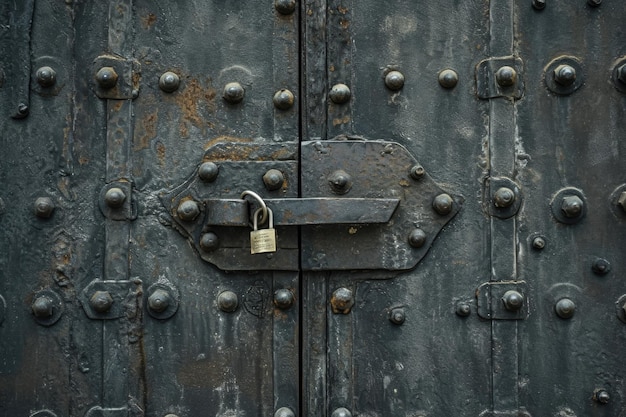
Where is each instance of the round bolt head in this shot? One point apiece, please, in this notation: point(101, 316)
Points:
point(621, 73)
point(417, 238)
point(503, 197)
point(342, 301)
point(273, 179)
point(22, 111)
point(602, 396)
point(565, 308)
point(233, 93)
point(565, 75)
point(101, 301)
point(572, 206)
point(169, 82)
point(209, 242)
point(44, 207)
point(106, 77)
point(513, 300)
point(394, 80)
point(539, 243)
point(417, 172)
point(115, 197)
point(283, 99)
point(601, 266)
point(42, 307)
point(506, 76)
point(463, 309)
point(340, 181)
point(285, 7)
point(188, 210)
point(159, 301)
point(443, 204)
point(207, 171)
point(227, 301)
point(397, 316)
point(341, 412)
point(46, 76)
point(448, 78)
point(340, 94)
point(283, 299)
point(539, 4)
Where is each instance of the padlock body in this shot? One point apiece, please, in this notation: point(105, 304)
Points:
point(263, 241)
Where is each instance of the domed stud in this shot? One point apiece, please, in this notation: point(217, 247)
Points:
point(448, 78)
point(106, 77)
point(233, 93)
point(169, 82)
point(283, 99)
point(340, 94)
point(394, 80)
point(46, 76)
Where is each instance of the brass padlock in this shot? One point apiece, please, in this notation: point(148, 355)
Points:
point(263, 240)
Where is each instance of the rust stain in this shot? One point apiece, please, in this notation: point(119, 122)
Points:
point(117, 104)
point(220, 139)
point(160, 148)
point(344, 23)
point(192, 100)
point(404, 183)
point(331, 68)
point(83, 160)
point(342, 10)
point(148, 20)
point(309, 12)
point(147, 131)
point(341, 121)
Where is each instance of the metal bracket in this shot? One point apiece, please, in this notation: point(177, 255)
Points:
point(492, 84)
point(107, 300)
point(127, 71)
point(502, 300)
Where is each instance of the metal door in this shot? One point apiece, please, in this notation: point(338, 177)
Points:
point(446, 183)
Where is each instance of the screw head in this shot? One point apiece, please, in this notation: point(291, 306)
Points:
point(506, 76)
point(340, 181)
point(572, 206)
point(539, 4)
point(443, 204)
point(283, 99)
point(159, 300)
point(169, 82)
point(285, 7)
point(106, 77)
point(233, 92)
point(417, 238)
point(46, 76)
point(539, 243)
point(342, 300)
point(394, 80)
point(44, 207)
point(209, 242)
point(463, 309)
point(602, 396)
point(101, 301)
point(601, 266)
point(513, 300)
point(448, 78)
point(114, 197)
point(42, 307)
point(283, 298)
point(565, 75)
point(341, 412)
point(565, 308)
point(227, 301)
point(340, 94)
point(503, 197)
point(284, 412)
point(188, 210)
point(621, 200)
point(397, 316)
point(207, 171)
point(273, 179)
point(417, 172)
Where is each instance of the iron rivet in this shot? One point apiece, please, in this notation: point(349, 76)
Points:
point(503, 197)
point(341, 412)
point(394, 80)
point(22, 111)
point(341, 300)
point(594, 3)
point(340, 181)
point(283, 99)
point(417, 238)
point(44, 207)
point(539, 4)
point(115, 197)
point(397, 316)
point(448, 78)
point(539, 243)
point(417, 172)
point(601, 266)
point(285, 6)
point(621, 73)
point(565, 75)
point(340, 94)
point(602, 396)
point(101, 301)
point(207, 171)
point(572, 206)
point(513, 300)
point(106, 77)
point(169, 82)
point(209, 242)
point(42, 307)
point(621, 201)
point(188, 210)
point(506, 76)
point(443, 204)
point(463, 309)
point(565, 308)
point(273, 179)
point(46, 76)
point(159, 301)
point(284, 412)
point(283, 299)
point(233, 93)
point(228, 301)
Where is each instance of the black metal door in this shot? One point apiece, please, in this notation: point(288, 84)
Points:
point(447, 187)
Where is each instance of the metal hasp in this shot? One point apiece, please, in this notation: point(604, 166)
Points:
point(364, 205)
